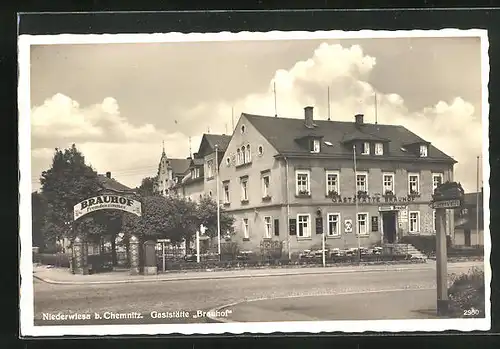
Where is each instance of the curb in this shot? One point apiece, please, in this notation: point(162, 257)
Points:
point(221, 277)
point(108, 282)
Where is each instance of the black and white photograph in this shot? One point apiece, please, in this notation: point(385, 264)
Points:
point(254, 182)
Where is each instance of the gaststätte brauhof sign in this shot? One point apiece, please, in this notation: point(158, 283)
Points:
point(104, 202)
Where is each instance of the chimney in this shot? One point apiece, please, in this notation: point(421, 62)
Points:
point(358, 119)
point(308, 115)
point(108, 175)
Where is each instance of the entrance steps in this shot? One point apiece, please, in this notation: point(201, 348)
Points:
point(407, 249)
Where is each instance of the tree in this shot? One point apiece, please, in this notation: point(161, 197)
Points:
point(148, 186)
point(206, 213)
point(67, 182)
point(162, 217)
point(38, 210)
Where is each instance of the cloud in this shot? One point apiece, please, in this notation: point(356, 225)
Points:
point(108, 139)
point(453, 126)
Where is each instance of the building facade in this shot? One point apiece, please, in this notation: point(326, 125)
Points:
point(294, 179)
point(170, 173)
point(469, 231)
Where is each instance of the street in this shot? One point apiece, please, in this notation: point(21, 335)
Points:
point(348, 296)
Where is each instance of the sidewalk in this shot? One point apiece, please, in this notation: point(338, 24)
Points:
point(64, 277)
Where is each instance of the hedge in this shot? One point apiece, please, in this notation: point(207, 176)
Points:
point(54, 259)
point(255, 263)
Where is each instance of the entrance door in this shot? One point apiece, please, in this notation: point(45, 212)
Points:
point(389, 219)
point(467, 237)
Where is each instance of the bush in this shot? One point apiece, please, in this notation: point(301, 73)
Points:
point(55, 259)
point(424, 243)
point(466, 294)
point(466, 251)
point(229, 250)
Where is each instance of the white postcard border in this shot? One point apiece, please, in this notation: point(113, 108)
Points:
point(27, 326)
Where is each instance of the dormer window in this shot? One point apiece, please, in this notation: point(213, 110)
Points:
point(423, 150)
point(366, 148)
point(379, 149)
point(314, 145)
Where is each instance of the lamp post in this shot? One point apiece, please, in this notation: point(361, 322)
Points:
point(356, 225)
point(218, 200)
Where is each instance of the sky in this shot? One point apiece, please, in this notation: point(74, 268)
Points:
point(119, 102)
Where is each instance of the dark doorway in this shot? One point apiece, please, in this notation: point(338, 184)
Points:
point(467, 237)
point(389, 224)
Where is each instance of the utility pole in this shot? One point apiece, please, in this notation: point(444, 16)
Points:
point(356, 199)
point(218, 200)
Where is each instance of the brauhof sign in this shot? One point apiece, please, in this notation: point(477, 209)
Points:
point(104, 202)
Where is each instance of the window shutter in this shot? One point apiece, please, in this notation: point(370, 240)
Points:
point(276, 227)
point(293, 226)
point(319, 225)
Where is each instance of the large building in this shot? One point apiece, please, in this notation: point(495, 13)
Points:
point(469, 231)
point(170, 172)
point(200, 177)
point(291, 179)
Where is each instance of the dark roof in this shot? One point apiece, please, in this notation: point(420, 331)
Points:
point(358, 135)
point(470, 199)
point(112, 184)
point(283, 132)
point(221, 140)
point(179, 166)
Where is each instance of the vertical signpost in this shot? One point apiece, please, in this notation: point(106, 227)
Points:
point(446, 196)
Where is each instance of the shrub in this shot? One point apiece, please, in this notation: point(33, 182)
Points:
point(229, 250)
point(466, 294)
point(424, 243)
point(54, 259)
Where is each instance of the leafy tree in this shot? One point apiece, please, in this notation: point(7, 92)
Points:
point(206, 212)
point(162, 217)
point(38, 210)
point(67, 182)
point(147, 187)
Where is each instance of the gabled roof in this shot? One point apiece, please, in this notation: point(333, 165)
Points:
point(179, 166)
point(283, 132)
point(209, 141)
point(111, 184)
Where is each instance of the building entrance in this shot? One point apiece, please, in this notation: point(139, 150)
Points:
point(389, 226)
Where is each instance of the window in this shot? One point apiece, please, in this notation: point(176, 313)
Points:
point(249, 154)
point(314, 145)
point(242, 128)
point(332, 182)
point(210, 193)
point(413, 183)
point(302, 179)
point(268, 227)
point(388, 179)
point(195, 172)
point(238, 157)
point(244, 189)
point(379, 149)
point(261, 150)
point(228, 162)
point(226, 193)
point(246, 229)
point(243, 155)
point(363, 224)
point(265, 186)
point(414, 222)
point(423, 151)
point(333, 224)
point(366, 148)
point(437, 180)
point(210, 168)
point(362, 182)
point(304, 228)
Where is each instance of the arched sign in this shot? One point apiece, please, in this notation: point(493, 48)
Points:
point(104, 202)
